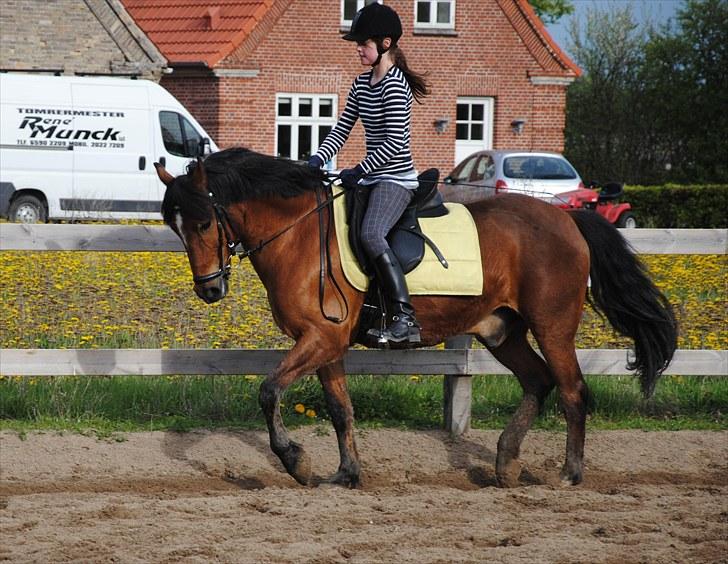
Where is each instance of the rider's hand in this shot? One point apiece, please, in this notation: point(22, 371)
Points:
point(315, 161)
point(350, 176)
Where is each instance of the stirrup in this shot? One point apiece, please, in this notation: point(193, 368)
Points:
point(387, 335)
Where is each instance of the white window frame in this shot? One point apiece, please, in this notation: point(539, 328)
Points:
point(314, 120)
point(346, 24)
point(464, 147)
point(433, 23)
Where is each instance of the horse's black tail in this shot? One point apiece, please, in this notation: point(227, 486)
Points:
point(622, 290)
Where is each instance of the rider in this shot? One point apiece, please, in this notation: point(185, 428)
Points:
point(382, 99)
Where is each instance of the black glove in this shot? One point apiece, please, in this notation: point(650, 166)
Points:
point(315, 161)
point(350, 176)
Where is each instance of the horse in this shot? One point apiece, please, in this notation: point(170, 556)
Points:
point(537, 260)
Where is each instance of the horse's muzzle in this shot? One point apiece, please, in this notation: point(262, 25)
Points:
point(212, 291)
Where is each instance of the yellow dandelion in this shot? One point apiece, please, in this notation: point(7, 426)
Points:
point(300, 408)
point(310, 413)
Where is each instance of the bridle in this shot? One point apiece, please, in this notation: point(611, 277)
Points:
point(224, 239)
point(235, 246)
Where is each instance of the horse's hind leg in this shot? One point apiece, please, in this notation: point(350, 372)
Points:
point(573, 392)
point(338, 402)
point(516, 354)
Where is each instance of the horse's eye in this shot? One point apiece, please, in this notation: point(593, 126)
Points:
point(204, 226)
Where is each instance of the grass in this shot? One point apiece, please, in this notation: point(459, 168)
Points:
point(144, 300)
point(121, 404)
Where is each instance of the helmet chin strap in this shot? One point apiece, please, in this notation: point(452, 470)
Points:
point(380, 51)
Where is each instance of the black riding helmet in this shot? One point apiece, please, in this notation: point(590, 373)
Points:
point(375, 21)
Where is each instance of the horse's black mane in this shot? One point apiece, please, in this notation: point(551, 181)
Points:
point(238, 174)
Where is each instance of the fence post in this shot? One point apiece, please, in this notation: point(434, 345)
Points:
point(457, 393)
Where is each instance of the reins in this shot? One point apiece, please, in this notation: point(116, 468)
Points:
point(321, 205)
point(325, 260)
point(224, 230)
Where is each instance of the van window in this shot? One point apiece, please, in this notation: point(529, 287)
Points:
point(179, 135)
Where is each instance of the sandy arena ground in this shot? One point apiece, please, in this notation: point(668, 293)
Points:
point(204, 496)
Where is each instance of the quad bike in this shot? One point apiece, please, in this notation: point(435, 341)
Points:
point(604, 199)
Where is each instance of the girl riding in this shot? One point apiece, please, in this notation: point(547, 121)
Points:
point(382, 98)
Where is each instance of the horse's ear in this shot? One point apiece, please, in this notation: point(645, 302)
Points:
point(164, 176)
point(199, 176)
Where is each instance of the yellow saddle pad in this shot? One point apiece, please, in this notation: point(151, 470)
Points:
point(456, 237)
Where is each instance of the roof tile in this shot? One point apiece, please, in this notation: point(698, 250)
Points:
point(181, 28)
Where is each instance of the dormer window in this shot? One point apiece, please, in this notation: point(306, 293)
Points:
point(434, 14)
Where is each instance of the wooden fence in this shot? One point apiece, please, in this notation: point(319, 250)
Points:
point(457, 362)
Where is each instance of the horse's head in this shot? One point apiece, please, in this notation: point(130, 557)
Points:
point(203, 225)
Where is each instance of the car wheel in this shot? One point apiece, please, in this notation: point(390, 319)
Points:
point(627, 220)
point(27, 209)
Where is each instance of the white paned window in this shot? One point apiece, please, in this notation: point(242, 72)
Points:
point(302, 123)
point(435, 14)
point(349, 8)
point(473, 126)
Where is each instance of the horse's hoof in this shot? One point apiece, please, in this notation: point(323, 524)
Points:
point(297, 463)
point(507, 474)
point(570, 478)
point(343, 478)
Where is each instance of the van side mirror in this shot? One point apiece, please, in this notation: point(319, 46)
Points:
point(197, 147)
point(192, 148)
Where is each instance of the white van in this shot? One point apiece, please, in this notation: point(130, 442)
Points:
point(83, 147)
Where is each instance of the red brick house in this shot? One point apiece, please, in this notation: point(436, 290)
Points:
point(273, 75)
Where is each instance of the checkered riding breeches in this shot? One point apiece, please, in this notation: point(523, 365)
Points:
point(387, 202)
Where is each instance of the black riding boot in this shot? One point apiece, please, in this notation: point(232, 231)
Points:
point(404, 326)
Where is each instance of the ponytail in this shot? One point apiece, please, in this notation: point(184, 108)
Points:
point(417, 81)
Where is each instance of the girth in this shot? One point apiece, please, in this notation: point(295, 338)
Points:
point(406, 238)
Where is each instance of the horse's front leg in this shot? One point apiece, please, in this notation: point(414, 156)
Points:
point(338, 402)
point(306, 355)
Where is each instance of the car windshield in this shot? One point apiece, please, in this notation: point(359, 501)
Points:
point(538, 167)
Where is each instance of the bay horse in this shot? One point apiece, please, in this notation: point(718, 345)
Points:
point(536, 262)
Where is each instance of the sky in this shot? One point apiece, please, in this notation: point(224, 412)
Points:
point(656, 11)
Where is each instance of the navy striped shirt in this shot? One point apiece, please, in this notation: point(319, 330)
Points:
point(385, 110)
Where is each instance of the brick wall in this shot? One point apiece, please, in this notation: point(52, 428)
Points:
point(74, 37)
point(486, 58)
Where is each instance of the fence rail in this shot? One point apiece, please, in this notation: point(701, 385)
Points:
point(457, 362)
point(450, 362)
point(84, 237)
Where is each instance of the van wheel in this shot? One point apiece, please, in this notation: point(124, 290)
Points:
point(27, 209)
point(627, 220)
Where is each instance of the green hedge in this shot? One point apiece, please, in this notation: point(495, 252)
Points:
point(682, 206)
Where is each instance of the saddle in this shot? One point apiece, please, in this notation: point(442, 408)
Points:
point(406, 238)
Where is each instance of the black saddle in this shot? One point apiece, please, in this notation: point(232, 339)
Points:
point(406, 238)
